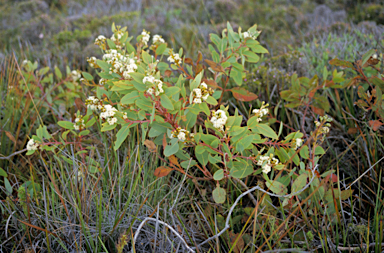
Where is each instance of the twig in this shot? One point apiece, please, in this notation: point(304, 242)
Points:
point(249, 191)
point(165, 224)
point(13, 154)
point(246, 187)
point(364, 173)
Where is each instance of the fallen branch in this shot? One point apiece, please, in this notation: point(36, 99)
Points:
point(13, 154)
point(165, 224)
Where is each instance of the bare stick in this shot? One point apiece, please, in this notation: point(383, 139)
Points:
point(364, 173)
point(165, 224)
point(13, 154)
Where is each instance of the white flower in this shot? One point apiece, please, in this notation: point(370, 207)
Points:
point(245, 35)
point(150, 79)
point(298, 142)
point(25, 62)
point(181, 136)
point(374, 56)
point(157, 38)
point(125, 116)
point(145, 37)
point(79, 123)
point(275, 161)
point(197, 101)
point(204, 85)
point(197, 92)
point(32, 145)
point(104, 115)
point(150, 91)
point(219, 119)
point(92, 102)
point(75, 75)
point(262, 159)
point(205, 97)
point(266, 169)
point(112, 120)
point(174, 58)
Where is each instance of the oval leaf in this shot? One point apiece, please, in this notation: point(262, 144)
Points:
point(219, 195)
point(242, 94)
point(162, 171)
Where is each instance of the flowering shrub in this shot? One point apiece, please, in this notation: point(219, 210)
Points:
point(178, 104)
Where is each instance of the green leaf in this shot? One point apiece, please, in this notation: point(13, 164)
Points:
point(277, 187)
point(146, 57)
point(251, 56)
point(299, 183)
point(130, 98)
point(84, 132)
point(103, 65)
point(107, 127)
point(87, 76)
point(211, 100)
point(8, 186)
point(319, 151)
point(201, 154)
point(161, 48)
point(166, 102)
point(58, 73)
point(237, 76)
point(219, 195)
point(218, 175)
point(259, 49)
point(173, 148)
point(144, 104)
point(241, 169)
point(121, 135)
point(265, 130)
point(304, 152)
point(170, 91)
point(66, 124)
point(244, 143)
point(3, 173)
point(90, 122)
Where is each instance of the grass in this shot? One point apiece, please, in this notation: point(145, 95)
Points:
point(62, 202)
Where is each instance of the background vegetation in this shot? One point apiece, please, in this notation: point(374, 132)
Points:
point(47, 206)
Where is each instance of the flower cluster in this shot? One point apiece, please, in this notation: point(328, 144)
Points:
point(79, 123)
point(92, 62)
point(158, 39)
point(297, 143)
point(100, 41)
point(266, 162)
point(120, 64)
point(181, 134)
point(325, 128)
point(174, 58)
point(108, 112)
point(117, 35)
point(219, 118)
point(326, 125)
point(261, 112)
point(201, 93)
point(93, 103)
point(102, 81)
point(75, 75)
point(145, 37)
point(32, 145)
point(157, 87)
point(251, 35)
